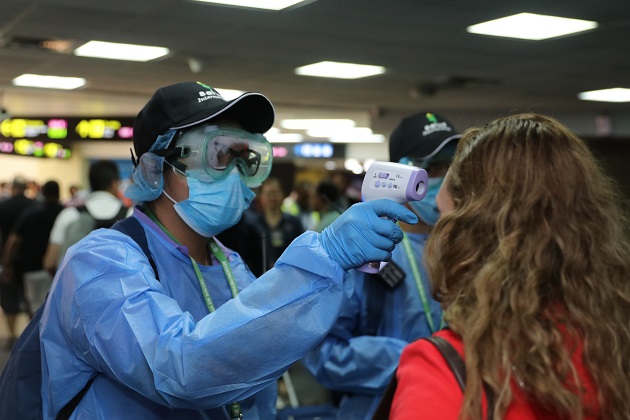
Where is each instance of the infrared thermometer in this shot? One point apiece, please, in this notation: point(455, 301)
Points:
point(394, 181)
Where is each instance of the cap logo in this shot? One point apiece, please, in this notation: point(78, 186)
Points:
point(431, 117)
point(210, 93)
point(436, 126)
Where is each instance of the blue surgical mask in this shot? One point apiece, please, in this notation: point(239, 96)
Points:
point(426, 209)
point(212, 207)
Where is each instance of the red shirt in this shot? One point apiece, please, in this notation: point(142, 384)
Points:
point(427, 388)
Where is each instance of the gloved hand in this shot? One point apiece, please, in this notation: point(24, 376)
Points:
point(360, 235)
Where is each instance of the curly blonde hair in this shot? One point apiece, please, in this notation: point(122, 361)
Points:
point(534, 260)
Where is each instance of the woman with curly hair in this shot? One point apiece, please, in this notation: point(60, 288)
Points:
point(531, 261)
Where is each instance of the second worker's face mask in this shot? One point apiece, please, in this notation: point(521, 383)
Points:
point(426, 209)
point(212, 207)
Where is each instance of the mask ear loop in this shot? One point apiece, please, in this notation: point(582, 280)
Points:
point(178, 167)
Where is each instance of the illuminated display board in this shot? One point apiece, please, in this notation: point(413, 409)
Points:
point(34, 148)
point(308, 150)
point(71, 128)
point(50, 137)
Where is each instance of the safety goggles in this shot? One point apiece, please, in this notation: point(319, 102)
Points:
point(209, 153)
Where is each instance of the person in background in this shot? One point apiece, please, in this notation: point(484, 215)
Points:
point(102, 203)
point(531, 260)
point(325, 201)
point(297, 203)
point(33, 190)
point(77, 196)
point(342, 179)
point(391, 309)
point(271, 230)
point(183, 329)
point(5, 190)
point(11, 286)
point(26, 246)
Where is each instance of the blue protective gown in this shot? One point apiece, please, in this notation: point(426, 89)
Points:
point(156, 351)
point(360, 366)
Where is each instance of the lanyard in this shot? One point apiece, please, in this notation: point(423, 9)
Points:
point(235, 408)
point(419, 283)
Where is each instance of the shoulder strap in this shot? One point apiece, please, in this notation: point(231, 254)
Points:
point(132, 228)
point(68, 409)
point(122, 213)
point(385, 405)
point(457, 366)
point(106, 223)
point(454, 361)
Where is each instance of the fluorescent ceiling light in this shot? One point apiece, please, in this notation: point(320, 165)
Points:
point(116, 51)
point(372, 138)
point(284, 137)
point(339, 132)
point(531, 26)
point(339, 70)
point(606, 95)
point(257, 4)
point(353, 165)
point(49, 82)
point(229, 94)
point(274, 135)
point(305, 124)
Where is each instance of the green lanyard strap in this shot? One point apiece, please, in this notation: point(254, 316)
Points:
point(419, 283)
point(235, 408)
point(217, 252)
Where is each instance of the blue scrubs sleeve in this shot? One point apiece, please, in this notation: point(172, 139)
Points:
point(123, 324)
point(362, 364)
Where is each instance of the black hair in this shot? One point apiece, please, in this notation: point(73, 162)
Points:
point(328, 191)
point(50, 191)
point(103, 174)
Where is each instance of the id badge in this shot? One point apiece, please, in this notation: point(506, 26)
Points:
point(391, 275)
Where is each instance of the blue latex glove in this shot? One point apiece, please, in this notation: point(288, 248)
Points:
point(360, 235)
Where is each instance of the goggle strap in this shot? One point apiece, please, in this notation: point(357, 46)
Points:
point(134, 159)
point(173, 152)
point(179, 166)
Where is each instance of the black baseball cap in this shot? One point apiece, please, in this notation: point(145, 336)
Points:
point(422, 135)
point(189, 103)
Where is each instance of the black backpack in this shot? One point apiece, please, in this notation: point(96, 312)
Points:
point(21, 380)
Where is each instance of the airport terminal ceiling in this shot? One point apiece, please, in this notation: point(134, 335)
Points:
point(430, 61)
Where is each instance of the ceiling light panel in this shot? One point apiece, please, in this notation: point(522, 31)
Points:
point(117, 51)
point(336, 70)
point(316, 123)
point(284, 137)
point(229, 94)
point(606, 95)
point(257, 4)
point(49, 82)
point(532, 26)
point(371, 138)
point(353, 132)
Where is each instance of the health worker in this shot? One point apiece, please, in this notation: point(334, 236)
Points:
point(188, 332)
point(395, 307)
